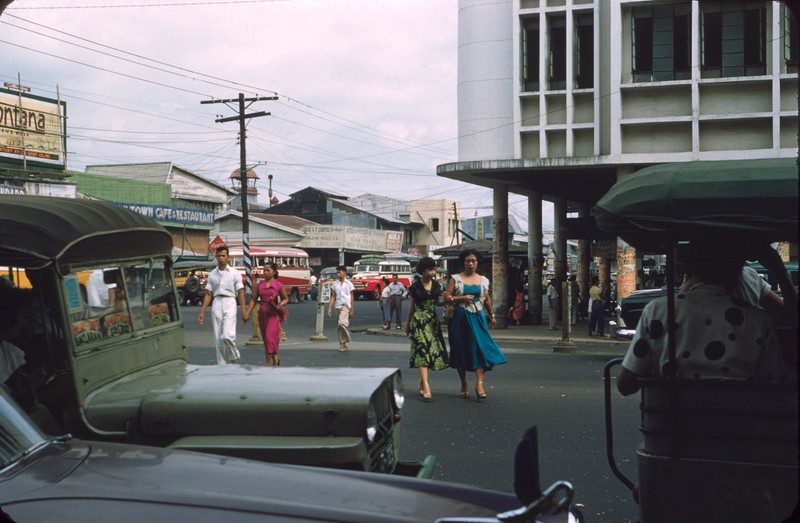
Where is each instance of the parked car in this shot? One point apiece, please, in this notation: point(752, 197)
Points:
point(629, 310)
point(119, 371)
point(190, 281)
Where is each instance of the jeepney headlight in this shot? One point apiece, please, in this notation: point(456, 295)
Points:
point(372, 424)
point(398, 396)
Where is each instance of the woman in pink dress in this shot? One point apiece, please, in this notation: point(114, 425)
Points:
point(272, 296)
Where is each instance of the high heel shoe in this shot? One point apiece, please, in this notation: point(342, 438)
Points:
point(481, 394)
point(464, 390)
point(425, 395)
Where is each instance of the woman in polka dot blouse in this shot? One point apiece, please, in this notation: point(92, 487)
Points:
point(718, 336)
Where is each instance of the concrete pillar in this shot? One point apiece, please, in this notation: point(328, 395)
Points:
point(626, 269)
point(500, 255)
point(535, 258)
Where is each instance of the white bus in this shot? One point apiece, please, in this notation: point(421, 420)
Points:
point(293, 270)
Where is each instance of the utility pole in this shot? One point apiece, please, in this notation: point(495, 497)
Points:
point(242, 118)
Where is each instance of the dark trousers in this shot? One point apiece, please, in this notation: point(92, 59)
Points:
point(597, 320)
point(397, 308)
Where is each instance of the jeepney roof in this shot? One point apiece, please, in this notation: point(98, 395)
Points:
point(36, 231)
point(659, 205)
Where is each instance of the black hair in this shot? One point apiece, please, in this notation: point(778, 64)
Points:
point(274, 268)
point(425, 263)
point(12, 301)
point(341, 268)
point(222, 248)
point(467, 252)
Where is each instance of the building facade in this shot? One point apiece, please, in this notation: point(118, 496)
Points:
point(558, 99)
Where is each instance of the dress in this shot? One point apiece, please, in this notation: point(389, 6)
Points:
point(717, 336)
point(471, 345)
point(269, 315)
point(427, 342)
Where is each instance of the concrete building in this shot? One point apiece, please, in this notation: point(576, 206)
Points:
point(557, 99)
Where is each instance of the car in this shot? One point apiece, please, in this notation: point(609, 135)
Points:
point(117, 369)
point(96, 481)
point(190, 281)
point(629, 310)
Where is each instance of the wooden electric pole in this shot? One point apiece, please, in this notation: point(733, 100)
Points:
point(241, 117)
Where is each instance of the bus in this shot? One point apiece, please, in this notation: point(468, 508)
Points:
point(369, 273)
point(293, 270)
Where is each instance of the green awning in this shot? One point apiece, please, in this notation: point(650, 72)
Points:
point(746, 199)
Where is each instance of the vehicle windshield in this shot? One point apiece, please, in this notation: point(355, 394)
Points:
point(18, 435)
point(367, 268)
point(118, 301)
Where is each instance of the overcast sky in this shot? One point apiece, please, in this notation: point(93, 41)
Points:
point(366, 88)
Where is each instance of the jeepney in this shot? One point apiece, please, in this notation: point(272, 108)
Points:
point(114, 362)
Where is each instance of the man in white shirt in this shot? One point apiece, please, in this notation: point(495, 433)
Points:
point(398, 293)
point(223, 288)
point(342, 300)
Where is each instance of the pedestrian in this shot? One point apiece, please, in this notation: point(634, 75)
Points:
point(472, 348)
point(517, 311)
point(342, 300)
point(398, 293)
point(553, 302)
point(223, 287)
point(272, 295)
point(575, 294)
point(384, 304)
point(428, 350)
point(596, 314)
point(312, 285)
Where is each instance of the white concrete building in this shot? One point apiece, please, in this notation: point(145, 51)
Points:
point(557, 99)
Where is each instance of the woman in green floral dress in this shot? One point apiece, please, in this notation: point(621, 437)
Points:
point(428, 349)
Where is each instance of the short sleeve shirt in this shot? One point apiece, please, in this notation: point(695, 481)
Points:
point(752, 288)
point(224, 283)
point(342, 291)
point(717, 336)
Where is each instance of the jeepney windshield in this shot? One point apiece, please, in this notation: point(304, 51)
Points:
point(116, 302)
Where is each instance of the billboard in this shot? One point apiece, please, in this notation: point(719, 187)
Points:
point(32, 128)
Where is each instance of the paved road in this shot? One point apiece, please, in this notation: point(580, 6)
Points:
point(474, 442)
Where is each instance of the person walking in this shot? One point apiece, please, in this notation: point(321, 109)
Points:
point(272, 295)
point(471, 346)
point(342, 300)
point(398, 293)
point(428, 350)
point(596, 314)
point(553, 302)
point(223, 287)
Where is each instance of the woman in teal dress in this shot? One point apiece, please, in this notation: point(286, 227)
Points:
point(428, 350)
point(471, 346)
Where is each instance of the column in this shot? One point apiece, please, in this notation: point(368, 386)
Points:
point(500, 255)
point(535, 258)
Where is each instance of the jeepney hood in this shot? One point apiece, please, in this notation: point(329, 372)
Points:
point(180, 399)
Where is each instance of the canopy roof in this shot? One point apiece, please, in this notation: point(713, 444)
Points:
point(745, 199)
point(36, 231)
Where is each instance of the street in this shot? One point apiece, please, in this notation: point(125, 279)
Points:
point(473, 442)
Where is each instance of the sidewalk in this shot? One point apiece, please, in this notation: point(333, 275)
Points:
point(529, 333)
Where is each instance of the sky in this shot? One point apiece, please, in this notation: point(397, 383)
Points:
point(366, 89)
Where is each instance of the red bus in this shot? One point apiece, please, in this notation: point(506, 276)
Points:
point(293, 270)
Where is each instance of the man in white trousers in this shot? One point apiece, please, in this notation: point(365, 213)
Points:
point(223, 288)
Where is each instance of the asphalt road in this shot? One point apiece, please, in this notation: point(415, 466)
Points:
point(474, 442)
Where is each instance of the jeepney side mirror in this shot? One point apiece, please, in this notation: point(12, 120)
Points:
point(526, 468)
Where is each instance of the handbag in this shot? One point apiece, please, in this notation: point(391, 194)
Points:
point(449, 311)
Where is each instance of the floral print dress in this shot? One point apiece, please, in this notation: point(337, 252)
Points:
point(428, 348)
